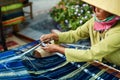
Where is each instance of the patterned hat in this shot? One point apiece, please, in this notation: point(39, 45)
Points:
point(111, 6)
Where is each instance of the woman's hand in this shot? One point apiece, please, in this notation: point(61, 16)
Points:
point(51, 48)
point(49, 37)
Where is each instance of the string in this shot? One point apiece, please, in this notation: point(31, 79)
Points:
point(19, 56)
point(30, 62)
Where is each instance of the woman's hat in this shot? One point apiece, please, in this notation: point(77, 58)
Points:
point(112, 6)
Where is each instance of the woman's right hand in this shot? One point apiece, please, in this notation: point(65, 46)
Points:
point(49, 37)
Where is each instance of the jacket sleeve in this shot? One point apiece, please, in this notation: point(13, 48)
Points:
point(107, 46)
point(75, 35)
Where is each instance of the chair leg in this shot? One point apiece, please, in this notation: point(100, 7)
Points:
point(31, 11)
point(16, 28)
point(3, 40)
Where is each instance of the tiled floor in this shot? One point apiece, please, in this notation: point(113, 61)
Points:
point(41, 24)
point(40, 6)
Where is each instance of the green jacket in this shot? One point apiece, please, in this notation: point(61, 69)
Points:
point(107, 48)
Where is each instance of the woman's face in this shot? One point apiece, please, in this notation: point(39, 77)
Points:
point(100, 14)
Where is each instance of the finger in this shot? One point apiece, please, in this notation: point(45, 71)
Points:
point(43, 48)
point(44, 38)
point(46, 47)
point(41, 38)
point(47, 40)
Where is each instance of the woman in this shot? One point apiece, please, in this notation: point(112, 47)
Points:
point(103, 30)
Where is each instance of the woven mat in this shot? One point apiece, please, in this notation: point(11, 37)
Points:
point(13, 42)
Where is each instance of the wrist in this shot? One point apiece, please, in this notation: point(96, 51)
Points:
point(54, 36)
point(61, 49)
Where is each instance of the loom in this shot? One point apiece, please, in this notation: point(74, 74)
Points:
point(18, 63)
